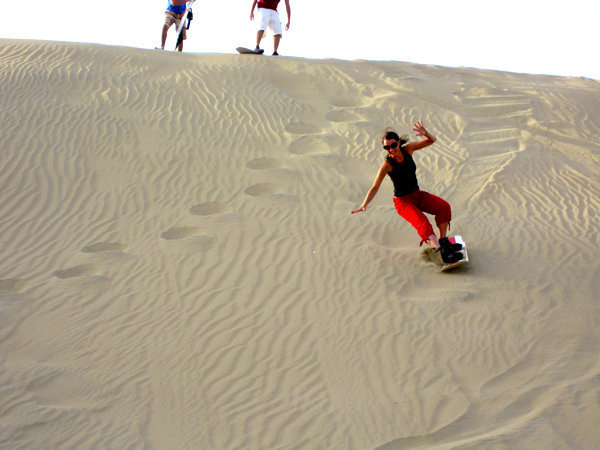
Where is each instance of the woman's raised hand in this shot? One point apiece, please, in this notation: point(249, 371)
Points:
point(419, 129)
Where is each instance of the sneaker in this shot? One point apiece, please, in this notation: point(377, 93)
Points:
point(450, 257)
point(258, 50)
point(159, 48)
point(445, 243)
point(275, 54)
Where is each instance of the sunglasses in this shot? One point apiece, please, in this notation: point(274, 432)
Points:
point(391, 146)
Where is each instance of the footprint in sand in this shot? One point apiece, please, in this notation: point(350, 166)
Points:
point(303, 128)
point(193, 234)
point(309, 145)
point(176, 233)
point(76, 271)
point(346, 102)
point(210, 208)
point(265, 163)
point(342, 116)
point(12, 285)
point(262, 189)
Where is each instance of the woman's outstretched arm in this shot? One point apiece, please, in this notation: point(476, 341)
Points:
point(383, 170)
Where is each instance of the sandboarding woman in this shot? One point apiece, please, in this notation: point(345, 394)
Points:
point(410, 201)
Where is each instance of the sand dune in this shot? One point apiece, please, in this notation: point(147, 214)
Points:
point(180, 268)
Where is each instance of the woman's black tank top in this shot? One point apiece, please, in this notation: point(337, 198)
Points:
point(403, 175)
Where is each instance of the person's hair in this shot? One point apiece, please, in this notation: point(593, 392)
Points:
point(389, 133)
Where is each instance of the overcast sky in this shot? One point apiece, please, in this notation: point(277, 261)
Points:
point(530, 36)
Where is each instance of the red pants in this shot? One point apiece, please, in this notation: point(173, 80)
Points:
point(412, 207)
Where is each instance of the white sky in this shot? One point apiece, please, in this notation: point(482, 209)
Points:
point(532, 36)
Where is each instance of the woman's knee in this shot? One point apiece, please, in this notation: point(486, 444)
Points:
point(444, 212)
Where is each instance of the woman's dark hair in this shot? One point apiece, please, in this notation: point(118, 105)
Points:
point(389, 133)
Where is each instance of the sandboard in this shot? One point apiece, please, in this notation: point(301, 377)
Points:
point(435, 257)
point(247, 51)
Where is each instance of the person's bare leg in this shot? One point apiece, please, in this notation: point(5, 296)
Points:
point(276, 40)
point(259, 37)
point(164, 36)
point(443, 229)
point(433, 242)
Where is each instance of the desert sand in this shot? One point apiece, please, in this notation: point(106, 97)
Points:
point(180, 268)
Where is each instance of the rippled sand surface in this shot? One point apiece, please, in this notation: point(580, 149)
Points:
point(180, 268)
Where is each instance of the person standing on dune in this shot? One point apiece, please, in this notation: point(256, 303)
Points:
point(410, 201)
point(269, 17)
point(173, 15)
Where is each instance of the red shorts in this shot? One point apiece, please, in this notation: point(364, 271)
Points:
point(412, 207)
